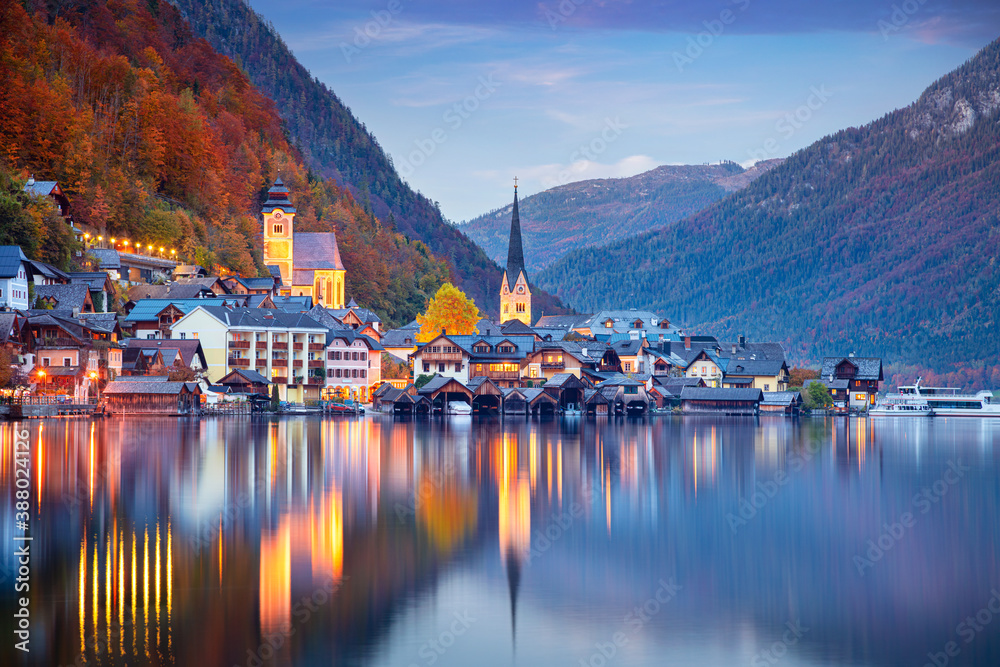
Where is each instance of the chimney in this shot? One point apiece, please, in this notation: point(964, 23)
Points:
point(734, 348)
point(444, 332)
point(743, 341)
point(583, 351)
point(687, 342)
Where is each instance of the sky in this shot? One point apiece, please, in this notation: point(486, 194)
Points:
point(465, 95)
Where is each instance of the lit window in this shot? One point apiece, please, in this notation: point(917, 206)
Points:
point(279, 229)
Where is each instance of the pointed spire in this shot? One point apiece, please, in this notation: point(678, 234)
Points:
point(513, 583)
point(515, 251)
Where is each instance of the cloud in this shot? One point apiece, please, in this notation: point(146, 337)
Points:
point(544, 176)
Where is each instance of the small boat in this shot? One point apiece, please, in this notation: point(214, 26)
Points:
point(458, 408)
point(572, 410)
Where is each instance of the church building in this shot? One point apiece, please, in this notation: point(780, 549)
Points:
point(515, 295)
point(309, 263)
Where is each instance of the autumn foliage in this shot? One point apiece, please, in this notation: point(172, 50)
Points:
point(157, 138)
point(449, 310)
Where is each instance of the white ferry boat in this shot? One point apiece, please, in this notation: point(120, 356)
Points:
point(899, 405)
point(950, 402)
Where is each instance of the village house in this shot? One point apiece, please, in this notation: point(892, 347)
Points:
point(152, 318)
point(271, 342)
point(769, 375)
point(152, 397)
point(170, 354)
point(14, 274)
point(353, 365)
point(856, 379)
point(71, 356)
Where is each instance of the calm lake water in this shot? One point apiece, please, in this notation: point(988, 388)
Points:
point(671, 541)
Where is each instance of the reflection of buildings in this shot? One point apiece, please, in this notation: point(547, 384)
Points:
point(514, 519)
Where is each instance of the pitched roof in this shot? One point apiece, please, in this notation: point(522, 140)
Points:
point(11, 257)
point(292, 304)
point(436, 383)
point(67, 297)
point(399, 338)
point(363, 314)
point(785, 398)
point(144, 387)
point(869, 368)
point(257, 283)
point(513, 327)
point(106, 258)
point(262, 318)
point(316, 250)
point(487, 328)
point(710, 394)
point(515, 251)
point(148, 310)
point(95, 280)
point(188, 349)
point(349, 336)
point(40, 188)
point(243, 376)
point(754, 367)
point(185, 290)
point(7, 323)
point(561, 321)
point(51, 272)
point(326, 317)
point(142, 378)
point(189, 270)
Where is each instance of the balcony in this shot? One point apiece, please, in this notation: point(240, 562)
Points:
point(239, 363)
point(441, 356)
point(553, 364)
point(316, 347)
point(317, 381)
point(279, 346)
point(296, 363)
point(316, 363)
point(279, 379)
point(239, 345)
point(262, 345)
point(296, 346)
point(279, 363)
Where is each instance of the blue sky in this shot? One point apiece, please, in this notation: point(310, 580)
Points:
point(466, 95)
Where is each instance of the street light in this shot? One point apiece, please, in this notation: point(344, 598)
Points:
point(41, 374)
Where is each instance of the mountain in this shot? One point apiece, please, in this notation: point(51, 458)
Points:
point(334, 143)
point(600, 211)
point(881, 239)
point(157, 138)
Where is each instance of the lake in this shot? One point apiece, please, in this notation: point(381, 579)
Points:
point(460, 541)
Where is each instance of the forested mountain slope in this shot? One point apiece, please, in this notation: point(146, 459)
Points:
point(881, 239)
point(334, 143)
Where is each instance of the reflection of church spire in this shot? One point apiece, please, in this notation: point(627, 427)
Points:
point(513, 582)
point(514, 521)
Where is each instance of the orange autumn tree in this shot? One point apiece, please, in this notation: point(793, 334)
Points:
point(449, 309)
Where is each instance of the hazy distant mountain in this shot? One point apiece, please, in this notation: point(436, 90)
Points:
point(600, 211)
point(881, 239)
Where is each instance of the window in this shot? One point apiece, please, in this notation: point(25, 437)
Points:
point(357, 356)
point(520, 307)
point(458, 367)
point(533, 372)
point(362, 372)
point(183, 335)
point(329, 355)
point(628, 366)
point(67, 361)
point(767, 387)
point(608, 324)
point(860, 397)
point(150, 336)
point(338, 372)
point(46, 361)
point(278, 228)
point(195, 334)
point(427, 367)
point(354, 372)
point(440, 368)
point(329, 372)
point(336, 355)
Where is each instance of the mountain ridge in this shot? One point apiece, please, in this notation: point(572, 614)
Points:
point(600, 211)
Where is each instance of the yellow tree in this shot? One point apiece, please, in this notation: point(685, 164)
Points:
point(449, 309)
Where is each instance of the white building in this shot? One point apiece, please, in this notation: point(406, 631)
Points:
point(13, 278)
point(286, 348)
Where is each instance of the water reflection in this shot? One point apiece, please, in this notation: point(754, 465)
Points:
point(381, 542)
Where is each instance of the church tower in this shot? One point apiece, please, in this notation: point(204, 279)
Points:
point(279, 215)
point(515, 295)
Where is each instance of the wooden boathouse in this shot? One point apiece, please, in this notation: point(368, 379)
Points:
point(152, 398)
point(711, 401)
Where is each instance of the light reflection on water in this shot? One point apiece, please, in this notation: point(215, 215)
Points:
point(461, 542)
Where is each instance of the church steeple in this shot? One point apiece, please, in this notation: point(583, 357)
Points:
point(515, 295)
